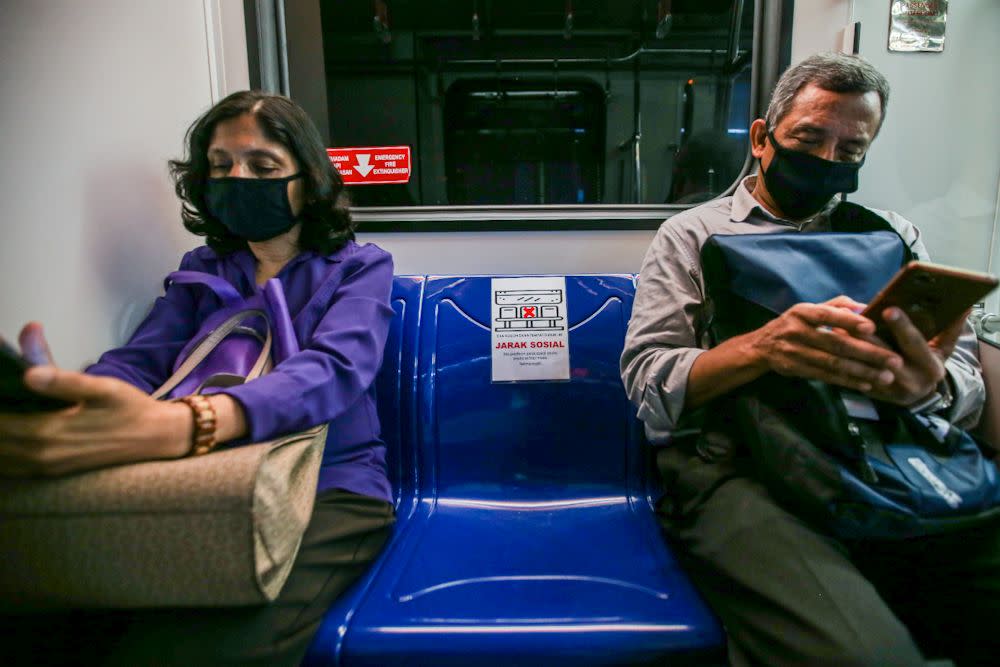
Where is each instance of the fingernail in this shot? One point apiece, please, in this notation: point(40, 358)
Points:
point(890, 314)
point(39, 377)
point(886, 377)
point(894, 363)
point(34, 352)
point(864, 386)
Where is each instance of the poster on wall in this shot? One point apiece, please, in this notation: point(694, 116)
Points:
point(530, 331)
point(917, 25)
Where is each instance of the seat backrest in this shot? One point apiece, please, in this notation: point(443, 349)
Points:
point(395, 388)
point(528, 441)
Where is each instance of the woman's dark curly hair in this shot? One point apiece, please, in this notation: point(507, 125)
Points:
point(326, 222)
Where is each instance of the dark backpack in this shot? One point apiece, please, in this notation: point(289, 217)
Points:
point(895, 476)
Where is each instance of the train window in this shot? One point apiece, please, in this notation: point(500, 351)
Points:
point(524, 142)
point(603, 105)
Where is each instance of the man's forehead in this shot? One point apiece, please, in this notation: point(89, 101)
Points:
point(813, 105)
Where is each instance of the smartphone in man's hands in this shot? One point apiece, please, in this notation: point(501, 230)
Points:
point(932, 296)
point(14, 395)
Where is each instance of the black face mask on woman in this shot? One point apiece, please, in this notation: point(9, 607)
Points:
point(255, 209)
point(801, 184)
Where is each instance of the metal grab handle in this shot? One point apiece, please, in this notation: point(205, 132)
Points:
point(990, 324)
point(985, 323)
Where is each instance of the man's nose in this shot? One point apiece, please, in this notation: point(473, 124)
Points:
point(828, 151)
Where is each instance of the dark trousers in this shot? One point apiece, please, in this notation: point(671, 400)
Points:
point(788, 594)
point(346, 533)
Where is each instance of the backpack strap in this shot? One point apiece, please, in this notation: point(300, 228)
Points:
point(854, 218)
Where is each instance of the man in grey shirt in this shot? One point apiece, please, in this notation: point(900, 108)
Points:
point(787, 592)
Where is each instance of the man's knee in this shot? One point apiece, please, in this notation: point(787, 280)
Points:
point(854, 656)
point(908, 657)
point(886, 647)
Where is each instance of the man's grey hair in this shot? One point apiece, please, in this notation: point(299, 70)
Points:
point(836, 72)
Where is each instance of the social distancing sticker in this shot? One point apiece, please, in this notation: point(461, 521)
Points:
point(530, 330)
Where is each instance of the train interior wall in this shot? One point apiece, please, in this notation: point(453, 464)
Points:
point(98, 95)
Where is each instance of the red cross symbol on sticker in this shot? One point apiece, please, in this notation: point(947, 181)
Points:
point(530, 311)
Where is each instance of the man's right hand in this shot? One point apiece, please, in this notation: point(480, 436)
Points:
point(825, 342)
point(822, 341)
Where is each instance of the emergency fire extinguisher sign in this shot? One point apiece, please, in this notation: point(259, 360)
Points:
point(372, 165)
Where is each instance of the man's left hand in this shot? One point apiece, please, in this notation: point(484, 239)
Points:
point(923, 361)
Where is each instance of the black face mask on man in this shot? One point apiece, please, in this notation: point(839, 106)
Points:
point(255, 209)
point(801, 184)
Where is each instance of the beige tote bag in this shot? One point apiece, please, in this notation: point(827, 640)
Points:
point(216, 530)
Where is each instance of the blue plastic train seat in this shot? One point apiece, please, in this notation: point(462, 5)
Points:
point(533, 540)
point(396, 387)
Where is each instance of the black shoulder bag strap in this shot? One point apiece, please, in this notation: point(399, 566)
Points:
point(854, 218)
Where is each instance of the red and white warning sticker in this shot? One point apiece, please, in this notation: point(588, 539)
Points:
point(372, 165)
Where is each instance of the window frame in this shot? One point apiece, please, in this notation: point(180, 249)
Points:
point(770, 56)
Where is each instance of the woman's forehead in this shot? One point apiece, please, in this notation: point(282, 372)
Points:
point(242, 134)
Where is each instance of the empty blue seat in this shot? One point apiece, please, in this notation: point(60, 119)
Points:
point(532, 539)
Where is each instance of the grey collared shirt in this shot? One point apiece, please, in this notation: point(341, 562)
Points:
point(667, 333)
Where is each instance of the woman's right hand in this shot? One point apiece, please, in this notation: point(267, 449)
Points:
point(33, 345)
point(111, 423)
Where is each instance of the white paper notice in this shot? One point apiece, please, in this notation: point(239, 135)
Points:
point(530, 339)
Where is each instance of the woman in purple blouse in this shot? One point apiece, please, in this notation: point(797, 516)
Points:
point(258, 185)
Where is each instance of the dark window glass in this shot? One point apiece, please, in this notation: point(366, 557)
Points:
point(526, 102)
point(524, 142)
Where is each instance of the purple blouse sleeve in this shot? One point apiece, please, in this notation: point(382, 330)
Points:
point(337, 365)
point(147, 359)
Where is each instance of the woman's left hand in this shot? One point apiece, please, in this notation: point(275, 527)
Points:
point(112, 423)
